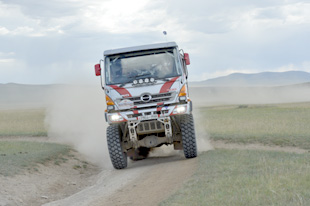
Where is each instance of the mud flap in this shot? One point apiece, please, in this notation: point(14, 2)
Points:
point(177, 146)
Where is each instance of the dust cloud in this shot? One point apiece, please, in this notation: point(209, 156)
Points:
point(213, 96)
point(202, 137)
point(75, 116)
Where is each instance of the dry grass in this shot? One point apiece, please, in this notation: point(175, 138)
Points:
point(27, 122)
point(15, 156)
point(236, 178)
point(282, 124)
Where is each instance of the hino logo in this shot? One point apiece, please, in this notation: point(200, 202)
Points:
point(146, 97)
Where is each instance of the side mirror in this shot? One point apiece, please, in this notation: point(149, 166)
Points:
point(186, 58)
point(97, 69)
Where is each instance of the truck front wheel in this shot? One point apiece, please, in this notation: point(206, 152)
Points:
point(117, 155)
point(188, 136)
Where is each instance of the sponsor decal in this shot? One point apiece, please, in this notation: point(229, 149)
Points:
point(125, 95)
point(147, 117)
point(172, 89)
point(125, 104)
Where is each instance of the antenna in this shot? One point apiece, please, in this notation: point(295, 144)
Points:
point(165, 33)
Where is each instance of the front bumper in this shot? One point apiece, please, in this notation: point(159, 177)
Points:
point(149, 113)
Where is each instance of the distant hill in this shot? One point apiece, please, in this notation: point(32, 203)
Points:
point(258, 79)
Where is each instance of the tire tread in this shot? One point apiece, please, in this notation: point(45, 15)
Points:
point(117, 156)
point(188, 136)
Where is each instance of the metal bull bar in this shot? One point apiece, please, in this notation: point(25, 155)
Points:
point(150, 127)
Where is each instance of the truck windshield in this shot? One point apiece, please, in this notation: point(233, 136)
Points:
point(158, 64)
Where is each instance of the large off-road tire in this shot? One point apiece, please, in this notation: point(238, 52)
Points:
point(188, 136)
point(117, 155)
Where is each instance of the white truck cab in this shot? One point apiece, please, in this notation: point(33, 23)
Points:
point(147, 101)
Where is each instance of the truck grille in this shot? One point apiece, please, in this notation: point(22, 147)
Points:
point(156, 98)
point(150, 126)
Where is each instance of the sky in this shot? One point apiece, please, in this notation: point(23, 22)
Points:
point(60, 41)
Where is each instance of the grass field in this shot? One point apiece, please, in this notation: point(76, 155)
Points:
point(236, 178)
point(224, 177)
point(16, 156)
point(280, 124)
point(27, 122)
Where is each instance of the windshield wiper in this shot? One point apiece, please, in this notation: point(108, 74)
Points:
point(123, 84)
point(164, 79)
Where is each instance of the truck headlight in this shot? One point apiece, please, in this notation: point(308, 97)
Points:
point(116, 118)
point(180, 109)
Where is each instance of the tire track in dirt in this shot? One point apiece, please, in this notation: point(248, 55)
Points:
point(145, 182)
point(163, 178)
point(150, 181)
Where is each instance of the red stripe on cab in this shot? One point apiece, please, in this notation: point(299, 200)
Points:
point(165, 88)
point(122, 91)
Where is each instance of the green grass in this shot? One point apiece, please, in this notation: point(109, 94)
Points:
point(16, 156)
point(282, 124)
point(28, 122)
point(236, 178)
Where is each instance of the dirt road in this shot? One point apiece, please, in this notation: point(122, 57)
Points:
point(146, 182)
point(150, 181)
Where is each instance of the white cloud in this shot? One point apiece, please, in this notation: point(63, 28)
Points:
point(304, 66)
point(15, 22)
point(4, 31)
point(222, 37)
point(280, 16)
point(7, 61)
point(119, 16)
point(6, 56)
point(297, 13)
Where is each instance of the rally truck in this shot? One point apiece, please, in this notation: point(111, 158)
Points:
point(148, 104)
